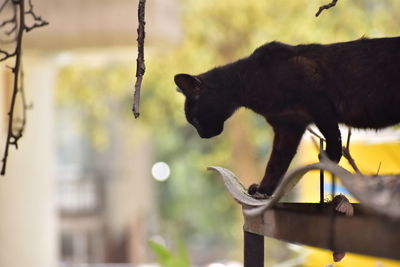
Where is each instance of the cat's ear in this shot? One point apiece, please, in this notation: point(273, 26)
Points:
point(187, 84)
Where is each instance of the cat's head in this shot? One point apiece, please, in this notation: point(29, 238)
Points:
point(204, 107)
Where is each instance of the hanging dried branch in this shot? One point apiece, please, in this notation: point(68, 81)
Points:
point(16, 126)
point(140, 66)
point(327, 6)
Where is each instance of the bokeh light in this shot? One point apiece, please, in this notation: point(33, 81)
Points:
point(160, 171)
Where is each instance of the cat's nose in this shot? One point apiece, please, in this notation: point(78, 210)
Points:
point(210, 132)
point(206, 135)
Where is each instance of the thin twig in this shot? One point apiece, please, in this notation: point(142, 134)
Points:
point(38, 21)
point(379, 167)
point(11, 21)
point(327, 6)
point(8, 21)
point(36, 25)
point(140, 66)
point(21, 128)
point(347, 155)
point(3, 5)
point(348, 139)
point(12, 30)
point(7, 55)
point(315, 134)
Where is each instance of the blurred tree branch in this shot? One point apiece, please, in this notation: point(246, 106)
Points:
point(17, 26)
point(327, 6)
point(140, 66)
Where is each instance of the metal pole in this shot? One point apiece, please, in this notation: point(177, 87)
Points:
point(253, 250)
point(321, 174)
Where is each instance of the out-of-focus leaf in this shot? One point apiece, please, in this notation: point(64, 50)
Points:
point(167, 258)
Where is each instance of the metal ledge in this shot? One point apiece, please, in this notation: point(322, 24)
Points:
point(319, 226)
point(374, 229)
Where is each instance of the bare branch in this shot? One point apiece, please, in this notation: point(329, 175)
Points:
point(315, 134)
point(9, 25)
point(12, 139)
point(13, 29)
point(348, 139)
point(327, 6)
point(3, 5)
point(20, 128)
point(347, 155)
point(36, 25)
point(7, 55)
point(140, 66)
point(379, 168)
point(8, 21)
point(38, 21)
point(16, 126)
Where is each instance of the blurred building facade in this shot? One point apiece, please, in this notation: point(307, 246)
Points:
point(27, 192)
point(56, 210)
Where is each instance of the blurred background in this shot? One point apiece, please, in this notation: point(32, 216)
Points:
point(92, 186)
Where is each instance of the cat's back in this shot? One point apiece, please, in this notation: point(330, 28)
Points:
point(361, 52)
point(362, 79)
point(350, 49)
point(366, 45)
point(273, 50)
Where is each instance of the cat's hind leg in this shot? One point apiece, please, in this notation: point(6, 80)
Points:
point(326, 122)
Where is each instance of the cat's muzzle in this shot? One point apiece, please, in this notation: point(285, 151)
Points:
point(210, 132)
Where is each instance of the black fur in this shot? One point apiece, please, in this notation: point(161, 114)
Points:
point(356, 83)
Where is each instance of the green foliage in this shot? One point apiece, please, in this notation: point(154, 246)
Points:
point(93, 93)
point(166, 258)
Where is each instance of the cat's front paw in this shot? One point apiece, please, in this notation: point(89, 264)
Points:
point(253, 190)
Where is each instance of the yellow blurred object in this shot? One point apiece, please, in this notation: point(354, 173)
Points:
point(321, 257)
point(370, 157)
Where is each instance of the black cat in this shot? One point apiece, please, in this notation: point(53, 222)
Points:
point(356, 83)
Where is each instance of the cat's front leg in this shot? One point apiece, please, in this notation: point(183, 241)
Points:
point(286, 139)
